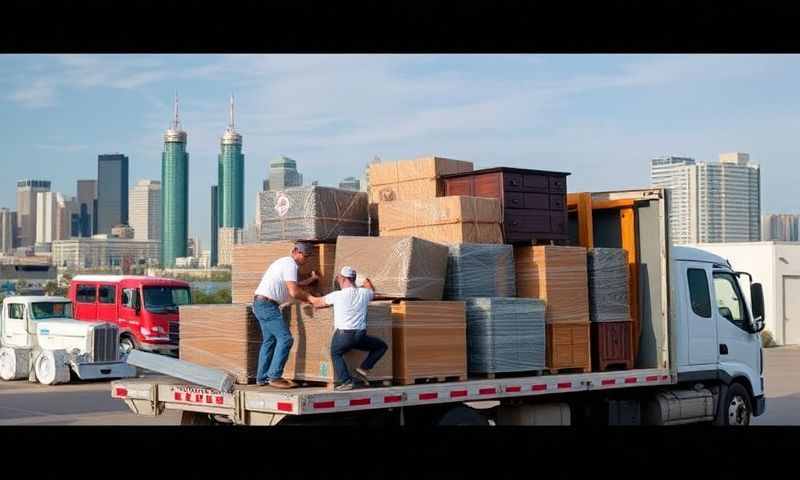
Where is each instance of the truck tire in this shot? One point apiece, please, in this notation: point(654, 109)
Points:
point(463, 415)
point(736, 408)
point(51, 367)
point(14, 363)
point(126, 344)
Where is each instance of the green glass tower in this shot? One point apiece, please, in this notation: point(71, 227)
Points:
point(174, 194)
point(230, 183)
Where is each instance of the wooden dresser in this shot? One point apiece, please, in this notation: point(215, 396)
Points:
point(534, 201)
point(611, 345)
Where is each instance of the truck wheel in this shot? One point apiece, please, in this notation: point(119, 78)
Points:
point(463, 415)
point(51, 367)
point(126, 345)
point(13, 363)
point(195, 418)
point(736, 408)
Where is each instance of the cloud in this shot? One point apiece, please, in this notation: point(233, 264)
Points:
point(62, 148)
point(37, 94)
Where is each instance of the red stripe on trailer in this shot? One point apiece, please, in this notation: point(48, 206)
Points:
point(487, 391)
point(630, 380)
point(219, 399)
point(428, 396)
point(513, 389)
point(392, 399)
point(665, 377)
point(359, 401)
point(458, 393)
point(328, 404)
point(121, 392)
point(178, 396)
point(565, 385)
point(198, 397)
point(538, 388)
point(209, 399)
point(652, 378)
point(284, 406)
point(608, 381)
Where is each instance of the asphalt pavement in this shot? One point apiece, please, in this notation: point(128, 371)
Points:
point(90, 403)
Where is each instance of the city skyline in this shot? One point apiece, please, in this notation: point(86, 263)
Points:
point(584, 113)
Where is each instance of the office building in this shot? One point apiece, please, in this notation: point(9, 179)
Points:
point(87, 196)
point(350, 183)
point(214, 227)
point(123, 231)
point(112, 192)
point(8, 231)
point(102, 252)
point(282, 174)
point(53, 217)
point(780, 227)
point(711, 202)
point(174, 194)
point(230, 185)
point(228, 237)
point(145, 209)
point(26, 209)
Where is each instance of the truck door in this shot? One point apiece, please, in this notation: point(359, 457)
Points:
point(15, 327)
point(86, 302)
point(791, 310)
point(702, 326)
point(107, 303)
point(739, 348)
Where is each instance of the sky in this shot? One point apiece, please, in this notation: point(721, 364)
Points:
point(600, 117)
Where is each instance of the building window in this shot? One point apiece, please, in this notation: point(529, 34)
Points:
point(698, 292)
point(86, 294)
point(107, 293)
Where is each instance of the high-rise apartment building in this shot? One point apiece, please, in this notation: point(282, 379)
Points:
point(87, 195)
point(780, 227)
point(230, 185)
point(213, 258)
point(711, 202)
point(145, 210)
point(174, 194)
point(350, 183)
point(26, 209)
point(283, 173)
point(8, 231)
point(112, 192)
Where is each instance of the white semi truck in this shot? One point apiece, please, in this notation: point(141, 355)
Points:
point(699, 358)
point(40, 341)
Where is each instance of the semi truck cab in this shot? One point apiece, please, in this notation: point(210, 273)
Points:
point(718, 338)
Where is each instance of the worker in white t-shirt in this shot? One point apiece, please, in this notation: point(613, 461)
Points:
point(278, 285)
point(350, 323)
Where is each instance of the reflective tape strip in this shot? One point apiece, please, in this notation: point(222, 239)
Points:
point(608, 381)
point(359, 401)
point(428, 396)
point(630, 380)
point(458, 393)
point(652, 378)
point(513, 389)
point(285, 407)
point(326, 404)
point(564, 385)
point(392, 398)
point(487, 391)
point(538, 388)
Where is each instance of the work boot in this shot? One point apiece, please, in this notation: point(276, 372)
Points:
point(281, 383)
point(343, 387)
point(362, 375)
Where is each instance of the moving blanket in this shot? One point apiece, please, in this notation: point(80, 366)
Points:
point(608, 285)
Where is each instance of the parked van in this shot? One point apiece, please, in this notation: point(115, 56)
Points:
point(144, 308)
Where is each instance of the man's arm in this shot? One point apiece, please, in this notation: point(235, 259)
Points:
point(368, 284)
point(296, 292)
point(308, 281)
point(317, 302)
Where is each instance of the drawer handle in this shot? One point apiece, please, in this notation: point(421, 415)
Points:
point(515, 223)
point(515, 201)
point(513, 183)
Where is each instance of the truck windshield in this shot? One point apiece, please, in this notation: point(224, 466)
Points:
point(165, 299)
point(45, 310)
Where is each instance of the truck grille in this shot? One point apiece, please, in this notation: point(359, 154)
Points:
point(174, 330)
point(106, 343)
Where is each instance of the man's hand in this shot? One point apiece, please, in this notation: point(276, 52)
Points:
point(318, 302)
point(311, 279)
point(368, 284)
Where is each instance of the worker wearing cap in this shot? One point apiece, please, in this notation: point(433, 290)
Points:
point(350, 321)
point(279, 285)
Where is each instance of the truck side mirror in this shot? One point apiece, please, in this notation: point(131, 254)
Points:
point(757, 305)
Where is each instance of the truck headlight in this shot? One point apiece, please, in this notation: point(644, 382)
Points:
point(145, 331)
point(159, 330)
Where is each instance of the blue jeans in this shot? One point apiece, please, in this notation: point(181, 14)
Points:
point(345, 340)
point(277, 341)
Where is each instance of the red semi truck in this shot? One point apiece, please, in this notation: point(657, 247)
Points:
point(144, 308)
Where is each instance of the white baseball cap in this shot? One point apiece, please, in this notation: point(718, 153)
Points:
point(348, 272)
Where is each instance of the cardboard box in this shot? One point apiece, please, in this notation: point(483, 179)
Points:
point(225, 336)
point(556, 275)
point(410, 179)
point(480, 270)
point(399, 267)
point(250, 261)
point(312, 329)
point(429, 341)
point(456, 219)
point(311, 213)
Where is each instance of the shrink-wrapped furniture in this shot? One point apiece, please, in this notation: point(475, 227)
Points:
point(480, 270)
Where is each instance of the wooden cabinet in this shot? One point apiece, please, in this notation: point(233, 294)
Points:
point(568, 346)
point(611, 345)
point(534, 201)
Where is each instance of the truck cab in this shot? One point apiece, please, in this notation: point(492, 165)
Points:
point(144, 308)
point(717, 331)
point(41, 340)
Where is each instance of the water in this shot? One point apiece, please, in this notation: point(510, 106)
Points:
point(211, 287)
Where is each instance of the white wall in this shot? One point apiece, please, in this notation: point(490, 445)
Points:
point(768, 262)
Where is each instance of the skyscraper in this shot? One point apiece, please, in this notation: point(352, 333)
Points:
point(283, 173)
point(781, 227)
point(214, 227)
point(87, 194)
point(350, 183)
point(145, 210)
point(53, 217)
point(230, 185)
point(8, 230)
point(112, 192)
point(174, 194)
point(711, 202)
point(26, 209)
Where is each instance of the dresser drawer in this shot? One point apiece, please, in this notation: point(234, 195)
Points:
point(557, 202)
point(513, 181)
point(514, 200)
point(558, 222)
point(527, 221)
point(558, 184)
point(488, 185)
point(459, 186)
point(536, 183)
